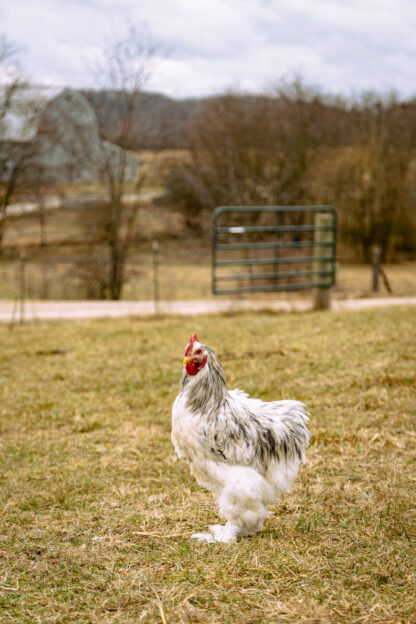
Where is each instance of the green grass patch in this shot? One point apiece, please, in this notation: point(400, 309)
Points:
point(96, 512)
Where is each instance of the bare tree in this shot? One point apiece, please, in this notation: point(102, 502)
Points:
point(67, 138)
point(371, 180)
point(299, 146)
point(248, 150)
point(124, 69)
point(20, 106)
point(12, 156)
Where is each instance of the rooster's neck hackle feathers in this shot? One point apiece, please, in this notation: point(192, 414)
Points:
point(207, 390)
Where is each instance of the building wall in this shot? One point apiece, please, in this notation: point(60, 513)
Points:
point(67, 146)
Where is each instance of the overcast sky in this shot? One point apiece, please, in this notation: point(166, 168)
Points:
point(342, 46)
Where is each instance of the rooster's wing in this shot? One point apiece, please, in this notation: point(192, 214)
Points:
point(250, 432)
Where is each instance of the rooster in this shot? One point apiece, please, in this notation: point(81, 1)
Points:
point(247, 452)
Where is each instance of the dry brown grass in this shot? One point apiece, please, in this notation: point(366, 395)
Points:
point(355, 280)
point(156, 166)
point(96, 512)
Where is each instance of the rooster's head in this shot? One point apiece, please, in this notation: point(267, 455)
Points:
point(195, 355)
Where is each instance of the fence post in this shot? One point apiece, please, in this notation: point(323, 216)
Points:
point(155, 250)
point(22, 286)
point(378, 270)
point(322, 294)
point(375, 263)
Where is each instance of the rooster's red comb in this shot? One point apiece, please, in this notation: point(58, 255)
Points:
point(192, 340)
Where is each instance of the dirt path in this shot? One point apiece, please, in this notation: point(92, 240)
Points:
point(55, 310)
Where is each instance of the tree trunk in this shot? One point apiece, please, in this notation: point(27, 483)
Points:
point(117, 258)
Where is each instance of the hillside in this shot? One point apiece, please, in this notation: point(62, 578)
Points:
point(162, 121)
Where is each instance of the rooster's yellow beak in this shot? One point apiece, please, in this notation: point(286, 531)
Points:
point(186, 360)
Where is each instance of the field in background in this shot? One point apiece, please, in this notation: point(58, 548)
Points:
point(61, 261)
point(97, 511)
point(184, 273)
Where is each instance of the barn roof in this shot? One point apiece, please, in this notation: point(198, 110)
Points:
point(21, 119)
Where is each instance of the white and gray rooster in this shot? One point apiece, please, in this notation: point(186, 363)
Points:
point(247, 452)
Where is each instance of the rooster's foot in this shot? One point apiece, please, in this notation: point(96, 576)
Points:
point(203, 537)
point(219, 533)
point(224, 533)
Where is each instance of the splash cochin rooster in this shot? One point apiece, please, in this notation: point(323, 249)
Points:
point(247, 452)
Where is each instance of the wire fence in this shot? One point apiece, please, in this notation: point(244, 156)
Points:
point(168, 270)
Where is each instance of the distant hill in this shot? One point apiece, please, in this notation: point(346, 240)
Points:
point(161, 122)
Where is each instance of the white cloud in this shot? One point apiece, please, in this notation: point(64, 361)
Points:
point(341, 45)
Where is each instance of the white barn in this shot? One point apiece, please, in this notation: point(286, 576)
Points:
point(58, 130)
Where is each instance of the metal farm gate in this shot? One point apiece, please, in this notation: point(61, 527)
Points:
point(273, 248)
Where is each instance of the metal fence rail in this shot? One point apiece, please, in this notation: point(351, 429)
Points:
point(264, 239)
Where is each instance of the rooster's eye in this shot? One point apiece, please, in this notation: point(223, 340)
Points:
point(198, 351)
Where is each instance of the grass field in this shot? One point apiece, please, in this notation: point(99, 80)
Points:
point(96, 512)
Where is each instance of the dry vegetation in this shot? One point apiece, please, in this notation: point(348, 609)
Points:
point(65, 261)
point(185, 262)
point(96, 511)
point(184, 273)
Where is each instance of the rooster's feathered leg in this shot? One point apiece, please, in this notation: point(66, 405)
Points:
point(243, 505)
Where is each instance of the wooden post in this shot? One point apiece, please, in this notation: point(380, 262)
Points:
point(375, 263)
point(322, 294)
point(155, 249)
point(22, 287)
point(378, 270)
